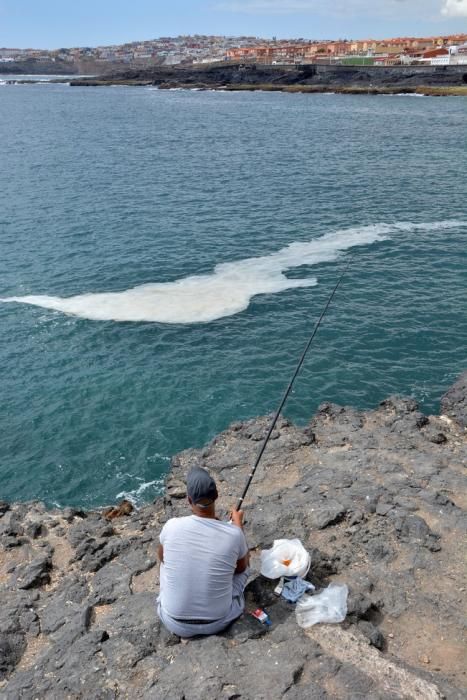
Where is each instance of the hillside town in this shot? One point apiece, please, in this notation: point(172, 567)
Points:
point(191, 50)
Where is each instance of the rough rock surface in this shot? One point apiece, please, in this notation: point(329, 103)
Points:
point(378, 499)
point(312, 75)
point(454, 402)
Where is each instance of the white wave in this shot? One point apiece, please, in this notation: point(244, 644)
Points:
point(229, 288)
point(430, 226)
point(402, 94)
point(135, 495)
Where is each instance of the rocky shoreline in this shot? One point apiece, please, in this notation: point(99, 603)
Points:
point(424, 80)
point(378, 498)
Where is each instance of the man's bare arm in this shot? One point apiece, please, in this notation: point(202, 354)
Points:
point(242, 564)
point(237, 519)
point(160, 553)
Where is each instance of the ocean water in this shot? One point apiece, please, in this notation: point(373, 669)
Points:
point(165, 255)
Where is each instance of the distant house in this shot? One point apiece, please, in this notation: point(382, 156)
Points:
point(435, 53)
point(454, 56)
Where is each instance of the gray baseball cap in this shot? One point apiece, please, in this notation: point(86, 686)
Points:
point(200, 486)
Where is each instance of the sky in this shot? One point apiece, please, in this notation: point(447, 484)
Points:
point(52, 24)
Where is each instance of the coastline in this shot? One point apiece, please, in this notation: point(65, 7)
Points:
point(434, 81)
point(354, 80)
point(377, 497)
point(422, 91)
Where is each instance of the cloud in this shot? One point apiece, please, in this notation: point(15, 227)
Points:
point(454, 8)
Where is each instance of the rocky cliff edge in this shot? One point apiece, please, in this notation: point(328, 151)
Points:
point(378, 498)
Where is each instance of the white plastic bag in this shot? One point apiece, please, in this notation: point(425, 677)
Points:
point(328, 606)
point(285, 558)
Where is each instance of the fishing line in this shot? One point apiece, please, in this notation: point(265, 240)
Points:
point(290, 385)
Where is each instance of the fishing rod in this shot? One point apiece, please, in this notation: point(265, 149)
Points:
point(289, 387)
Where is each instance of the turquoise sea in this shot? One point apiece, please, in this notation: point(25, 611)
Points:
point(165, 255)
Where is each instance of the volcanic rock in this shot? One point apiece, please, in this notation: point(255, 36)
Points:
point(378, 500)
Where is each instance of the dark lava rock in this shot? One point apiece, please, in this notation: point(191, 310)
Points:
point(18, 619)
point(36, 573)
point(110, 583)
point(64, 604)
point(77, 622)
point(377, 549)
point(438, 438)
point(133, 618)
point(94, 542)
point(354, 497)
point(137, 559)
point(12, 647)
point(383, 508)
point(304, 690)
point(454, 401)
point(330, 513)
point(69, 514)
point(358, 605)
point(18, 613)
point(10, 525)
point(66, 671)
point(98, 553)
point(92, 527)
point(356, 517)
point(176, 488)
point(246, 627)
point(413, 529)
point(399, 404)
point(9, 542)
point(35, 529)
point(322, 566)
point(372, 633)
point(395, 598)
point(335, 425)
point(261, 591)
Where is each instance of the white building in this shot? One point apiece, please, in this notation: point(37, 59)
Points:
point(173, 59)
point(11, 53)
point(457, 56)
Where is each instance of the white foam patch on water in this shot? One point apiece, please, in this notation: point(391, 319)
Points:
point(403, 94)
point(136, 495)
point(229, 288)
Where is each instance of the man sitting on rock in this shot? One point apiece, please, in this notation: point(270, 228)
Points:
point(204, 564)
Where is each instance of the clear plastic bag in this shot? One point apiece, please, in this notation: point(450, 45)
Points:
point(285, 558)
point(328, 606)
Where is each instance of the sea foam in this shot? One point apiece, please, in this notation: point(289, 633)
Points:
point(229, 288)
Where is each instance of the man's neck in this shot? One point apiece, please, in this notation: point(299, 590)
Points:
point(204, 512)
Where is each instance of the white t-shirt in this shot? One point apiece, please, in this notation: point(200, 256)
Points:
point(200, 557)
